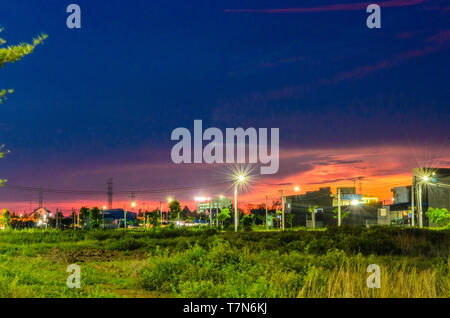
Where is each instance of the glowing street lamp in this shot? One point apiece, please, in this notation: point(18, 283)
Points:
point(240, 179)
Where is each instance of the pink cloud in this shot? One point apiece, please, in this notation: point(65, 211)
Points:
point(332, 7)
point(382, 167)
point(440, 38)
point(362, 71)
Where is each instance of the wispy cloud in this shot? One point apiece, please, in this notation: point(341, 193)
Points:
point(332, 7)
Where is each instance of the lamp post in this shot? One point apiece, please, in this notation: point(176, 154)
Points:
point(169, 200)
point(218, 210)
point(425, 179)
point(240, 179)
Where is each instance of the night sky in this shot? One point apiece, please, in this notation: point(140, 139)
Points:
point(102, 101)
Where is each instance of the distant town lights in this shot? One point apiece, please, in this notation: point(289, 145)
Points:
point(201, 199)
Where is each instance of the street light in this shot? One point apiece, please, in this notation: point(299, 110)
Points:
point(103, 216)
point(425, 179)
point(239, 180)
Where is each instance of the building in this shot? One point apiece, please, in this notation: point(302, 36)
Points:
point(360, 209)
point(434, 183)
point(321, 201)
point(114, 218)
point(349, 197)
point(431, 188)
point(401, 194)
point(219, 203)
point(399, 212)
point(42, 217)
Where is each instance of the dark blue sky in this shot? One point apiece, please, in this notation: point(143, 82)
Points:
point(112, 92)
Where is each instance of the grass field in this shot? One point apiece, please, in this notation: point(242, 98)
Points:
point(208, 263)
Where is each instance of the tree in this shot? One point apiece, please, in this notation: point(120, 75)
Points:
point(94, 218)
point(186, 212)
point(84, 215)
point(440, 217)
point(4, 219)
point(2, 155)
point(278, 216)
point(246, 221)
point(12, 54)
point(224, 215)
point(344, 214)
point(312, 210)
point(175, 209)
point(290, 218)
point(73, 215)
point(154, 218)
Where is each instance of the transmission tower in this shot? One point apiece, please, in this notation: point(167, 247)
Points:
point(110, 193)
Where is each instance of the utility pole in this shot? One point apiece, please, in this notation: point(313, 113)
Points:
point(73, 217)
point(236, 219)
point(125, 217)
point(267, 226)
point(339, 207)
point(412, 201)
point(419, 205)
point(160, 212)
point(217, 212)
point(210, 213)
point(103, 218)
point(110, 193)
point(282, 210)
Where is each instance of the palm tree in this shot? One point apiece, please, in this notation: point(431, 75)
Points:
point(312, 210)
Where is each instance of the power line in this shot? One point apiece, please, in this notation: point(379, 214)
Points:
point(100, 192)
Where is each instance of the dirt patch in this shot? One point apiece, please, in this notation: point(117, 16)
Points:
point(81, 255)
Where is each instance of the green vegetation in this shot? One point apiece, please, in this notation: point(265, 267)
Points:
point(175, 210)
point(204, 262)
point(11, 54)
point(440, 217)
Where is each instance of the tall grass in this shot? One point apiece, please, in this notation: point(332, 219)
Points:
point(208, 263)
point(223, 271)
